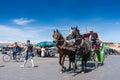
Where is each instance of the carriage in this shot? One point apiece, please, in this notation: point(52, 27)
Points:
point(99, 47)
point(82, 51)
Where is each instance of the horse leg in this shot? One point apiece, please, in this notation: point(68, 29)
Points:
point(85, 59)
point(74, 65)
point(63, 59)
point(70, 63)
point(75, 61)
point(60, 59)
point(85, 68)
point(83, 65)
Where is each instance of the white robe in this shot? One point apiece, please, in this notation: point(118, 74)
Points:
point(43, 52)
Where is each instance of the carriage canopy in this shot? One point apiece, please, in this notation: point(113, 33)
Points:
point(87, 35)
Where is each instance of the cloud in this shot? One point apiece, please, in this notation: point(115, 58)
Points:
point(22, 21)
point(35, 34)
point(44, 33)
point(12, 34)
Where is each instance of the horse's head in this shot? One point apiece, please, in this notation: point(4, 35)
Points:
point(73, 34)
point(57, 36)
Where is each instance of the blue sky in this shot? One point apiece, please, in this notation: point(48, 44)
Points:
point(36, 19)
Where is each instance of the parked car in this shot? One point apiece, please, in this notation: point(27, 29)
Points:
point(53, 49)
point(51, 52)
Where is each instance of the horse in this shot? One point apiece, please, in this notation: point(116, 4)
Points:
point(83, 47)
point(64, 48)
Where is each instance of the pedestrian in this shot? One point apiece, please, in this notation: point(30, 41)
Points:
point(43, 52)
point(28, 54)
point(39, 51)
point(16, 49)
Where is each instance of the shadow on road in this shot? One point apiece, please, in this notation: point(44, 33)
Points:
point(90, 67)
point(32, 67)
point(2, 66)
point(49, 57)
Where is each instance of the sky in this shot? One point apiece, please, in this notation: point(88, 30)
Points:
point(36, 20)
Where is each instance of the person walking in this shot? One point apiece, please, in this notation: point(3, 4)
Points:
point(28, 54)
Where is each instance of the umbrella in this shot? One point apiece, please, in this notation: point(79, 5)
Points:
point(45, 44)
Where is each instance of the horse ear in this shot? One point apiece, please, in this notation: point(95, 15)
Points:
point(57, 30)
point(76, 27)
point(71, 27)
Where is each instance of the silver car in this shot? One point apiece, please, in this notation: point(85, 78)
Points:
point(52, 51)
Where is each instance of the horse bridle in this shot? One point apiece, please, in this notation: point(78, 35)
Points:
point(59, 39)
point(76, 36)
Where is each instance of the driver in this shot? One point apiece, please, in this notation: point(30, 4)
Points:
point(92, 39)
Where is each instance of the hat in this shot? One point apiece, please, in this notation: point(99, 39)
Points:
point(90, 30)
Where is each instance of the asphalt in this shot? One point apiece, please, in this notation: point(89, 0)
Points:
point(48, 69)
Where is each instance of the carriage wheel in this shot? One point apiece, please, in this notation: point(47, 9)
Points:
point(103, 62)
point(6, 58)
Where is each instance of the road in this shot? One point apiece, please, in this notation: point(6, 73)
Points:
point(49, 69)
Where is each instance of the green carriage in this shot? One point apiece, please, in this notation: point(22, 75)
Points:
point(97, 54)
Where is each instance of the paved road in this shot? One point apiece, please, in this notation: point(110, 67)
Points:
point(49, 69)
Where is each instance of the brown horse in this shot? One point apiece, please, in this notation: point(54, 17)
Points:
point(64, 48)
point(83, 47)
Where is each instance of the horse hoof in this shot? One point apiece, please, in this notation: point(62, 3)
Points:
point(82, 72)
point(61, 72)
point(69, 69)
point(73, 74)
point(64, 68)
point(95, 69)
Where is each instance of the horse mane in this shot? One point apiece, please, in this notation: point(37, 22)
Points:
point(78, 31)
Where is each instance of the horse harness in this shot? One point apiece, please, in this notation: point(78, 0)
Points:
point(81, 49)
